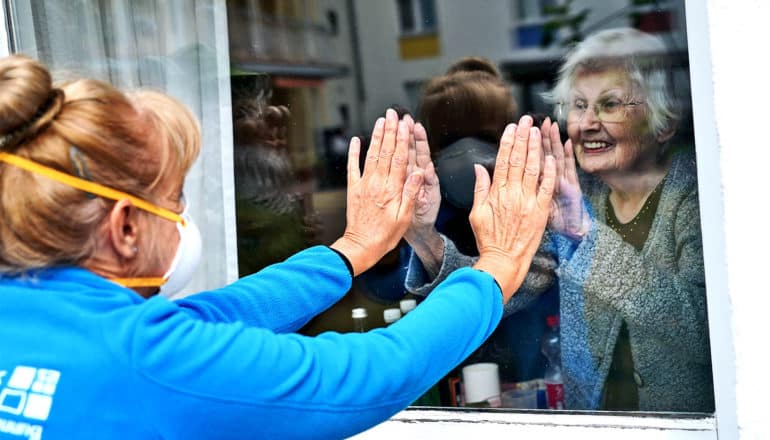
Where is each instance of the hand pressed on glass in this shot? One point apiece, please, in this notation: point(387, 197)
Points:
point(380, 202)
point(510, 212)
point(569, 215)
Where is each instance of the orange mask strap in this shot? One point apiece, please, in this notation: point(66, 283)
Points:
point(88, 186)
point(102, 191)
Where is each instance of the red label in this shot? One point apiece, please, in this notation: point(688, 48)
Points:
point(554, 395)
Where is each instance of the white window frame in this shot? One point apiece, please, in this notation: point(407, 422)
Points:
point(417, 423)
point(429, 424)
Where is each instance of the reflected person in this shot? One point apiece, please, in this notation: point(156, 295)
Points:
point(624, 233)
point(94, 226)
point(463, 112)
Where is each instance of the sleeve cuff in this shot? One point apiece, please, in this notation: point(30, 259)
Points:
point(344, 260)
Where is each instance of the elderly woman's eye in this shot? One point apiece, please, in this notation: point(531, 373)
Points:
point(611, 105)
point(579, 104)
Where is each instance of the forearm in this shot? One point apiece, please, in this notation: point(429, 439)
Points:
point(337, 383)
point(420, 282)
point(429, 248)
point(281, 297)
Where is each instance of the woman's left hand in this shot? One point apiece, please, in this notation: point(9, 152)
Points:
point(380, 202)
point(569, 215)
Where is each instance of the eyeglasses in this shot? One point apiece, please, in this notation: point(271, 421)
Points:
point(611, 110)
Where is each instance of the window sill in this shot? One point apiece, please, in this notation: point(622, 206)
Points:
point(542, 424)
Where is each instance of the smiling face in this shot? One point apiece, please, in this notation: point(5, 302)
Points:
point(602, 146)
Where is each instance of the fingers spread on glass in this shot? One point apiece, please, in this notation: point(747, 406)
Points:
point(388, 146)
point(380, 201)
point(510, 212)
point(354, 153)
point(373, 153)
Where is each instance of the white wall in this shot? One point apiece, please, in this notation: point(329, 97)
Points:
point(461, 26)
point(738, 34)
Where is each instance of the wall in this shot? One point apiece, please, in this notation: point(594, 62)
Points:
point(738, 32)
point(385, 74)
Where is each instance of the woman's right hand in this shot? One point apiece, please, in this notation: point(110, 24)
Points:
point(380, 201)
point(509, 213)
point(569, 215)
point(422, 235)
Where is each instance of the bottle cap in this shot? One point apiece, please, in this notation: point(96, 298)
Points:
point(407, 305)
point(391, 315)
point(552, 321)
point(359, 313)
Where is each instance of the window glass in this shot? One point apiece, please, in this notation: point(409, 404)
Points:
point(428, 14)
point(612, 315)
point(406, 15)
point(614, 309)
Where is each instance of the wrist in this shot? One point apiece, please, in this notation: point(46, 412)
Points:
point(357, 255)
point(504, 270)
point(426, 237)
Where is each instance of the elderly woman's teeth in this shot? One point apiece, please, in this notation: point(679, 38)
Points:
point(595, 145)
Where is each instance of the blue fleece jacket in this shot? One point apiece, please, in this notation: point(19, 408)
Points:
point(81, 357)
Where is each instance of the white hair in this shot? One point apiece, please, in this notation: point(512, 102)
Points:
point(640, 55)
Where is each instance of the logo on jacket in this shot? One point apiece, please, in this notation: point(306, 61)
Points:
point(27, 392)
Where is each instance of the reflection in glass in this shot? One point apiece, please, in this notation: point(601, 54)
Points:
point(621, 264)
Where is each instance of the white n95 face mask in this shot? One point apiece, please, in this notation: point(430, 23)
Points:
point(188, 255)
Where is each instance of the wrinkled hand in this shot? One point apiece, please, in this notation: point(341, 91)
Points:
point(510, 213)
point(569, 215)
point(380, 202)
point(428, 198)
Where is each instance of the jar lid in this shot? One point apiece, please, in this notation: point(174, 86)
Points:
point(391, 315)
point(359, 313)
point(407, 305)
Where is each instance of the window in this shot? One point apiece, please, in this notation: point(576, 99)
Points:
point(607, 358)
point(295, 105)
point(416, 16)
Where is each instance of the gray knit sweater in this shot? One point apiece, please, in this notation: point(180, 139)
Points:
point(659, 291)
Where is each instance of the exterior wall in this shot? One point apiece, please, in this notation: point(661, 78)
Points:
point(384, 72)
point(737, 32)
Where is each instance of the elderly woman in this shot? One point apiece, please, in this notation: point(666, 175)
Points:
point(94, 225)
point(624, 234)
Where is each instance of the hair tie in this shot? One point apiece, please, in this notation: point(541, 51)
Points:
point(44, 115)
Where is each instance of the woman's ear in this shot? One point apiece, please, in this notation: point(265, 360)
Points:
point(124, 229)
point(664, 135)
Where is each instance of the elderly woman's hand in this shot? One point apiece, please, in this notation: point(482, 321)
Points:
point(509, 215)
point(429, 197)
point(380, 202)
point(422, 235)
point(569, 215)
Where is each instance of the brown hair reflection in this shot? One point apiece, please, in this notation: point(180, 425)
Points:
point(469, 100)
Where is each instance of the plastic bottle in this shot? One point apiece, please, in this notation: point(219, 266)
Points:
point(359, 320)
point(391, 315)
point(407, 305)
point(551, 348)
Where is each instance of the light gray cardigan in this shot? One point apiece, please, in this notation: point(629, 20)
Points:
point(659, 291)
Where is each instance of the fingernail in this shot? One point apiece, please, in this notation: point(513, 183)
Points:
point(391, 114)
point(380, 123)
point(533, 131)
point(415, 177)
point(526, 119)
point(509, 129)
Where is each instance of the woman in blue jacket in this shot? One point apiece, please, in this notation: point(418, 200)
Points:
point(94, 226)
